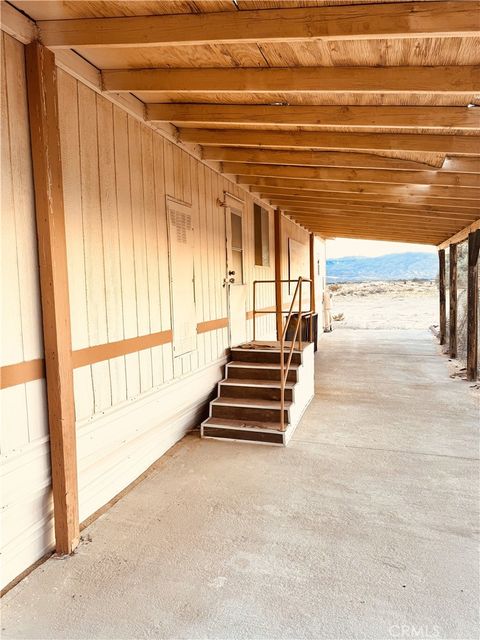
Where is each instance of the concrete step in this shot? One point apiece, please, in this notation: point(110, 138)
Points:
point(259, 389)
point(248, 409)
point(264, 355)
point(259, 371)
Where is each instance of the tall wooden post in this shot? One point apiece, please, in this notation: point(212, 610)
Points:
point(452, 329)
point(278, 271)
point(312, 283)
point(472, 301)
point(48, 184)
point(441, 289)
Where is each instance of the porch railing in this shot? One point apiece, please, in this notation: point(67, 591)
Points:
point(297, 333)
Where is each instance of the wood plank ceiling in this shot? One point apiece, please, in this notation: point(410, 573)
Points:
point(357, 118)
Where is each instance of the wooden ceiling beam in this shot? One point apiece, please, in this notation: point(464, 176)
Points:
point(268, 192)
point(354, 175)
point(449, 217)
point(392, 222)
point(453, 144)
point(326, 116)
point(364, 225)
point(336, 159)
point(449, 193)
point(376, 235)
point(452, 80)
point(370, 231)
point(377, 203)
point(402, 20)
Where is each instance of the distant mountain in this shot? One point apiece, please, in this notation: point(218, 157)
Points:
point(394, 266)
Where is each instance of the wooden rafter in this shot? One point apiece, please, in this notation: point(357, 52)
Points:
point(346, 116)
point(276, 193)
point(403, 20)
point(453, 220)
point(433, 80)
point(354, 175)
point(450, 193)
point(467, 145)
point(379, 204)
point(393, 222)
point(337, 159)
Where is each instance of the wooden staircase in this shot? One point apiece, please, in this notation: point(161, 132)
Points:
point(248, 406)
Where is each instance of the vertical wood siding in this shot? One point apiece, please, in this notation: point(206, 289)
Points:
point(131, 408)
point(27, 516)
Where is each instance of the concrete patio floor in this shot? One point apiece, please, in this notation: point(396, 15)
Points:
point(364, 527)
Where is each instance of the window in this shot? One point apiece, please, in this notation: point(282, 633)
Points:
point(262, 236)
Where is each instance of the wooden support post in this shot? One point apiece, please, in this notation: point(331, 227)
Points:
point(278, 271)
point(472, 310)
point(452, 331)
point(312, 270)
point(48, 184)
point(441, 289)
point(312, 283)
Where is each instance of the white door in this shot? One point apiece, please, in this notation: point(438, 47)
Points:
point(182, 278)
point(234, 277)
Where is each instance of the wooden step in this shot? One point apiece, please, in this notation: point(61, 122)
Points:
point(248, 409)
point(250, 431)
point(264, 355)
point(259, 371)
point(260, 389)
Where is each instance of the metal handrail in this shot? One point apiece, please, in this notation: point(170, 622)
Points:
point(285, 367)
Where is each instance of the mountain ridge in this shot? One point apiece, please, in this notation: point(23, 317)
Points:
point(391, 266)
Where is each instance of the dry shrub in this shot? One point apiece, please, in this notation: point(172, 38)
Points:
point(338, 317)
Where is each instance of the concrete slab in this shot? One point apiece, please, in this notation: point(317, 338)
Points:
point(365, 527)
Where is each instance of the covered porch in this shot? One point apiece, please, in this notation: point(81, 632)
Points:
point(363, 527)
point(158, 160)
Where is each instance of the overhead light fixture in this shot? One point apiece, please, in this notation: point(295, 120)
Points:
point(279, 104)
point(472, 105)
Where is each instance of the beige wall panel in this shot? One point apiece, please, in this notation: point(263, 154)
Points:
point(69, 139)
point(11, 328)
point(23, 199)
point(111, 246)
point(26, 504)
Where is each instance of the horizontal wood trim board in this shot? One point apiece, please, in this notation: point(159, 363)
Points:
point(21, 372)
point(101, 352)
point(212, 325)
point(401, 20)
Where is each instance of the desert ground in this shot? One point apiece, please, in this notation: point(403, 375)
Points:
point(404, 304)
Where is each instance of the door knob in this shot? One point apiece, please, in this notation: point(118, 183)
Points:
point(231, 273)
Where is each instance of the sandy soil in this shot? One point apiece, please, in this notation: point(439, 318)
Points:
point(385, 305)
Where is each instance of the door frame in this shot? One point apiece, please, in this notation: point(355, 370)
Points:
point(232, 203)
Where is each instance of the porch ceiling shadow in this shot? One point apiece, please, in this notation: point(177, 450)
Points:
point(363, 102)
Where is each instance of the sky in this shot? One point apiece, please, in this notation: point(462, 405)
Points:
point(341, 247)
